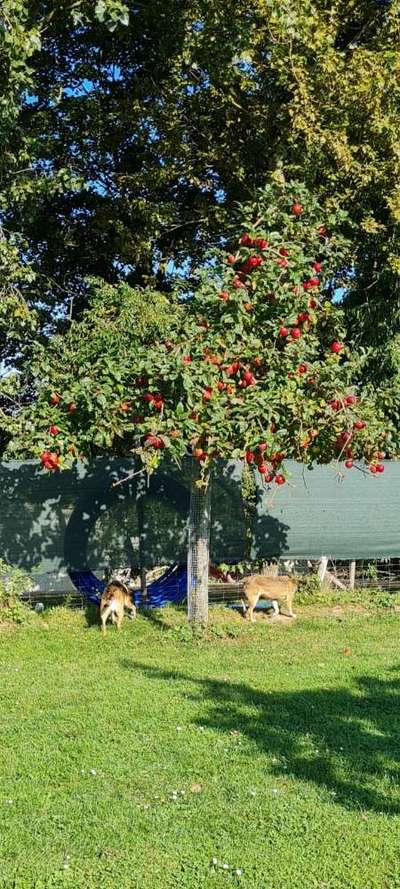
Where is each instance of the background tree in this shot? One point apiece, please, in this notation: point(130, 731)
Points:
point(141, 139)
point(252, 365)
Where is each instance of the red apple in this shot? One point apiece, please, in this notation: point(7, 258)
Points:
point(359, 424)
point(248, 378)
point(302, 369)
point(72, 408)
point(187, 359)
point(224, 295)
point(380, 467)
point(231, 259)
point(295, 333)
point(336, 347)
point(55, 398)
point(54, 430)
point(349, 464)
point(207, 393)
point(280, 479)
point(154, 441)
point(283, 251)
point(246, 240)
point(50, 460)
point(249, 457)
point(303, 317)
point(261, 243)
point(233, 368)
point(254, 261)
point(297, 209)
point(283, 331)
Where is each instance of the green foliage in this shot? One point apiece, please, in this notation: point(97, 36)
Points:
point(146, 137)
point(310, 592)
point(13, 583)
point(211, 373)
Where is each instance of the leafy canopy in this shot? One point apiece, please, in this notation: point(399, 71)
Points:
point(251, 364)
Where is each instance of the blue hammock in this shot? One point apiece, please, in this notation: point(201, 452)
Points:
point(170, 588)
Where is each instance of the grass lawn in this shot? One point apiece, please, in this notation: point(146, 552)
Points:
point(135, 760)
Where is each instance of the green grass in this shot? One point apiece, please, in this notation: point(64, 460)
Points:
point(282, 742)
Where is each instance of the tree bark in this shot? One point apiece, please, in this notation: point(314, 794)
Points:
point(199, 546)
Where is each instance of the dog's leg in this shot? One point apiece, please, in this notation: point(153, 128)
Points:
point(104, 617)
point(250, 610)
point(132, 608)
point(289, 600)
point(120, 617)
point(275, 606)
point(244, 607)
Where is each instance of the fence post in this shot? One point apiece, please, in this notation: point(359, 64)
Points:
point(323, 566)
point(199, 545)
point(352, 574)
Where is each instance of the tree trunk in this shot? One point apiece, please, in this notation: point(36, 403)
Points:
point(199, 547)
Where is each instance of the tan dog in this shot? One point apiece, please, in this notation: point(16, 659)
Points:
point(258, 586)
point(113, 601)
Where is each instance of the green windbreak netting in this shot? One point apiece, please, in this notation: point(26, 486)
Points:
point(350, 515)
point(75, 519)
point(49, 522)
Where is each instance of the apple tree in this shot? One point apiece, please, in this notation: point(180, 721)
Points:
point(250, 362)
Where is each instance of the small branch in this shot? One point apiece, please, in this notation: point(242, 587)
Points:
point(127, 478)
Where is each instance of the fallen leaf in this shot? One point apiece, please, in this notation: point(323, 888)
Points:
point(196, 788)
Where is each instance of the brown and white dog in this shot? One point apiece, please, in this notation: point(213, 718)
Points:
point(115, 598)
point(278, 589)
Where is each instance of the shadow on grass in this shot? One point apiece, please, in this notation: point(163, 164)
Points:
point(154, 616)
point(92, 615)
point(344, 741)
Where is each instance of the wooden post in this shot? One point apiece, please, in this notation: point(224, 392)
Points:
point(143, 585)
point(323, 567)
point(140, 502)
point(199, 546)
point(352, 574)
